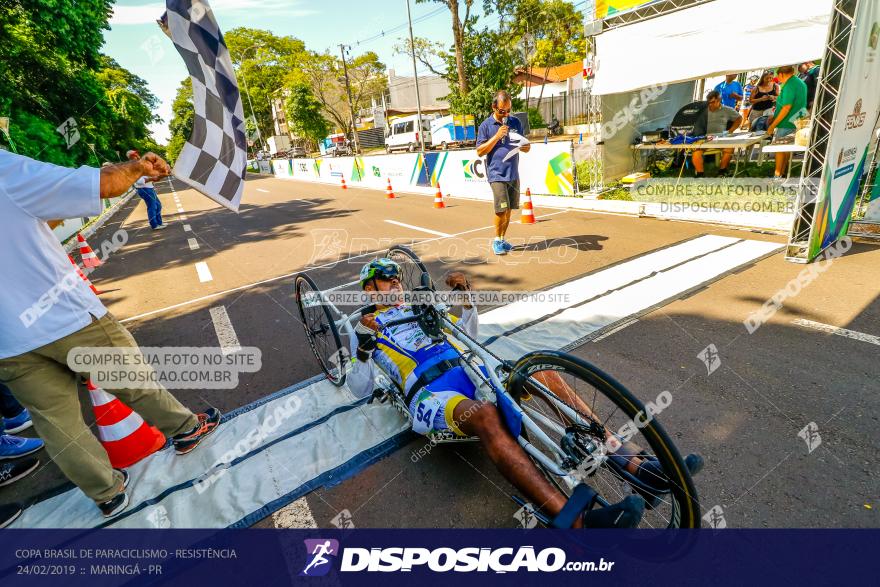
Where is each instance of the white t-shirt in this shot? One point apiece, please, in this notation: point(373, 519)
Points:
point(143, 183)
point(42, 297)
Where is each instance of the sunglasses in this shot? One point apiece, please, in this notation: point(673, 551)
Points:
point(502, 111)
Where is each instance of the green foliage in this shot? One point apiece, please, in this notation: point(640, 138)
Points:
point(305, 114)
point(535, 119)
point(490, 61)
point(182, 115)
point(53, 70)
point(262, 62)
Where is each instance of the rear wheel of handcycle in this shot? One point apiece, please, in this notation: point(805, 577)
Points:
point(321, 330)
point(605, 407)
point(411, 267)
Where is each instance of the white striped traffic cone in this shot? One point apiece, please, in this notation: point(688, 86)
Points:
point(122, 432)
point(88, 256)
point(389, 193)
point(83, 276)
point(528, 212)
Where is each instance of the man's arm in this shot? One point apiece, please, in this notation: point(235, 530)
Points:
point(116, 179)
point(783, 112)
point(486, 147)
point(735, 124)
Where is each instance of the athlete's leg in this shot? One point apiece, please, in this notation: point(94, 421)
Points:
point(482, 419)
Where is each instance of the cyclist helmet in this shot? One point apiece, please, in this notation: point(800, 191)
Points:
point(383, 267)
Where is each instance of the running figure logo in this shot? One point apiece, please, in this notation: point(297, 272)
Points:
point(317, 553)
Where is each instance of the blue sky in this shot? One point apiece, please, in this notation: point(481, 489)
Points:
point(136, 42)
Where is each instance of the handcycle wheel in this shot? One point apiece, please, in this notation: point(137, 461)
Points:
point(411, 267)
point(610, 408)
point(320, 329)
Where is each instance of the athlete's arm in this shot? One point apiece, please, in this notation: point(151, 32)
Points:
point(361, 377)
point(470, 318)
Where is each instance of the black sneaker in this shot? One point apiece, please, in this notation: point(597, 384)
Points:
point(12, 472)
point(208, 422)
point(114, 506)
point(8, 514)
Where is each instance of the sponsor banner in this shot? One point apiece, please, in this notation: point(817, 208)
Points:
point(605, 8)
point(546, 170)
point(850, 138)
point(460, 556)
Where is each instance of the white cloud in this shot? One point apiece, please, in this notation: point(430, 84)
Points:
point(148, 13)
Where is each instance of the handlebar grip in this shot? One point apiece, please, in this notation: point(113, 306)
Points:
point(400, 321)
point(368, 310)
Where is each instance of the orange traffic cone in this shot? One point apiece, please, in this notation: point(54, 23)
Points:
point(345, 187)
point(88, 256)
point(528, 213)
point(438, 198)
point(83, 276)
point(389, 193)
point(123, 433)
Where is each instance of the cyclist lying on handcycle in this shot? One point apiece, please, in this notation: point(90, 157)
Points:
point(441, 397)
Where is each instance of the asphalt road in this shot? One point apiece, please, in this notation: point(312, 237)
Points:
point(744, 417)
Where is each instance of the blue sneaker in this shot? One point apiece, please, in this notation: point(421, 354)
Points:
point(498, 248)
point(18, 423)
point(507, 246)
point(12, 447)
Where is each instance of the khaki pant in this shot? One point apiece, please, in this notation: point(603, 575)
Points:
point(41, 380)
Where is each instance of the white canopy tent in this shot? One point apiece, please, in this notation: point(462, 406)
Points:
point(718, 37)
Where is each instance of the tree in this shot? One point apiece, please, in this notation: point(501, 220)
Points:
point(262, 61)
point(53, 71)
point(182, 116)
point(555, 27)
point(459, 26)
point(323, 74)
point(427, 52)
point(305, 113)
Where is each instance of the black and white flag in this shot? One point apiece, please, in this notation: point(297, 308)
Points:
point(214, 159)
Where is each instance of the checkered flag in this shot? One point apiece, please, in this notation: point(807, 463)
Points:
point(214, 159)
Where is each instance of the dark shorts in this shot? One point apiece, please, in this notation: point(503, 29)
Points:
point(506, 195)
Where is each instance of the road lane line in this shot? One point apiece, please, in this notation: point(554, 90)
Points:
point(428, 230)
point(613, 330)
point(286, 275)
point(845, 332)
point(225, 332)
point(183, 216)
point(262, 190)
point(204, 272)
point(193, 244)
point(187, 227)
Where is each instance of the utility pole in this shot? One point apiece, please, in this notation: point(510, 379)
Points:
point(357, 147)
point(412, 48)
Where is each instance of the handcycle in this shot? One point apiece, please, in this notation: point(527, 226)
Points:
point(570, 417)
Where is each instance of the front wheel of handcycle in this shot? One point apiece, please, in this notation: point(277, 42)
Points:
point(321, 330)
point(411, 267)
point(596, 429)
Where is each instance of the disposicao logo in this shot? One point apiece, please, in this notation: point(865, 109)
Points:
point(320, 552)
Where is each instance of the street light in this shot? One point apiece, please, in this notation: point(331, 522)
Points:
point(248, 93)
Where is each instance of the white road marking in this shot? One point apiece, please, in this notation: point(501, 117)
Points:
point(419, 228)
point(845, 332)
point(183, 216)
point(225, 332)
point(265, 192)
point(204, 272)
point(193, 244)
point(618, 329)
point(286, 275)
point(187, 227)
point(180, 209)
point(296, 515)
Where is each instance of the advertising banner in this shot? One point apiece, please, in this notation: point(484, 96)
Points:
point(611, 7)
point(849, 140)
point(546, 170)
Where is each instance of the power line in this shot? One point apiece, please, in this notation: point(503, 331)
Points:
point(401, 26)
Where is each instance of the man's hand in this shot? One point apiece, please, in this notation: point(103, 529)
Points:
point(154, 166)
point(369, 320)
point(502, 132)
point(457, 278)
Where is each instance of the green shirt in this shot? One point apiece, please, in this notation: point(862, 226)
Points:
point(793, 93)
